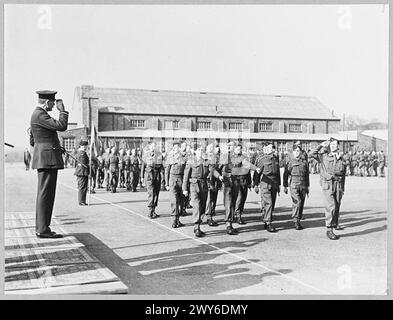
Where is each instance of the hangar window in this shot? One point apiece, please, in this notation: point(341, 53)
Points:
point(266, 126)
point(137, 123)
point(69, 143)
point(171, 124)
point(295, 127)
point(204, 125)
point(235, 125)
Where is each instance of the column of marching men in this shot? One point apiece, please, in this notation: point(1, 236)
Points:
point(196, 174)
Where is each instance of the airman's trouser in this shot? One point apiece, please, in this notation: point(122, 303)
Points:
point(82, 188)
point(113, 179)
point(268, 199)
point(228, 200)
point(211, 202)
point(134, 179)
point(163, 179)
point(298, 195)
point(153, 185)
point(121, 178)
point(333, 191)
point(375, 169)
point(198, 195)
point(100, 177)
point(176, 194)
point(127, 174)
point(93, 178)
point(240, 191)
point(382, 169)
point(107, 178)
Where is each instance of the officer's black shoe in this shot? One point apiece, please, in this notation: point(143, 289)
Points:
point(240, 220)
point(270, 228)
point(212, 223)
point(231, 231)
point(82, 203)
point(154, 215)
point(298, 226)
point(338, 227)
point(330, 234)
point(198, 233)
point(50, 235)
point(175, 224)
point(179, 224)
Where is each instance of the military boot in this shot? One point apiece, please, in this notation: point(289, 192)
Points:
point(330, 234)
point(298, 226)
point(240, 220)
point(211, 222)
point(198, 232)
point(270, 228)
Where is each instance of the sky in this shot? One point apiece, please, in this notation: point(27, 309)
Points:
point(338, 54)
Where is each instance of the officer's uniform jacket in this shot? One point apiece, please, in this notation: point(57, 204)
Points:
point(121, 161)
point(361, 159)
point(82, 158)
point(225, 167)
point(197, 172)
point(214, 162)
point(47, 152)
point(296, 169)
point(381, 159)
point(152, 162)
point(241, 168)
point(175, 165)
point(113, 163)
point(333, 168)
point(134, 163)
point(270, 172)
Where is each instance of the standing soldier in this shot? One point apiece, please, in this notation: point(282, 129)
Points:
point(374, 163)
point(214, 184)
point(121, 168)
point(100, 172)
point(127, 169)
point(347, 160)
point(93, 171)
point(196, 174)
point(332, 182)
point(351, 163)
point(174, 171)
point(82, 172)
point(298, 170)
point(113, 169)
point(241, 182)
point(134, 170)
point(355, 161)
point(151, 168)
point(382, 163)
point(47, 157)
point(163, 183)
point(226, 172)
point(269, 180)
point(27, 158)
point(187, 153)
point(361, 160)
point(105, 158)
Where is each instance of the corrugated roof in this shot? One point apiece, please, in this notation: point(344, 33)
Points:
point(138, 101)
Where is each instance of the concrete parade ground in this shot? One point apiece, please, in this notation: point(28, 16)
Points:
point(149, 257)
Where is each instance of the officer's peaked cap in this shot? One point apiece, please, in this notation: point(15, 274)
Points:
point(46, 94)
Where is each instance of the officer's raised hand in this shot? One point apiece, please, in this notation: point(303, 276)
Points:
point(285, 190)
point(185, 192)
point(60, 105)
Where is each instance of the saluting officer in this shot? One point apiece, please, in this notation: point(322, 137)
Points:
point(47, 157)
point(269, 180)
point(174, 171)
point(214, 184)
point(332, 182)
point(240, 182)
point(196, 174)
point(298, 170)
point(151, 168)
point(82, 172)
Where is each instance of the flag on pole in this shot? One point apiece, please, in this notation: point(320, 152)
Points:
point(94, 144)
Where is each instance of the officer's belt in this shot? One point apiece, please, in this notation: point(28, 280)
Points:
point(178, 175)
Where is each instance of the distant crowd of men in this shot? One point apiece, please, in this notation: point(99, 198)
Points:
point(195, 174)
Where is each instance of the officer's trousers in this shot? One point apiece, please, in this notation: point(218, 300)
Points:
point(211, 203)
point(93, 178)
point(240, 192)
point(107, 178)
point(46, 191)
point(298, 195)
point(82, 188)
point(176, 196)
point(113, 179)
point(332, 192)
point(381, 170)
point(121, 178)
point(199, 191)
point(229, 204)
point(100, 177)
point(127, 178)
point(153, 185)
point(134, 179)
point(268, 200)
